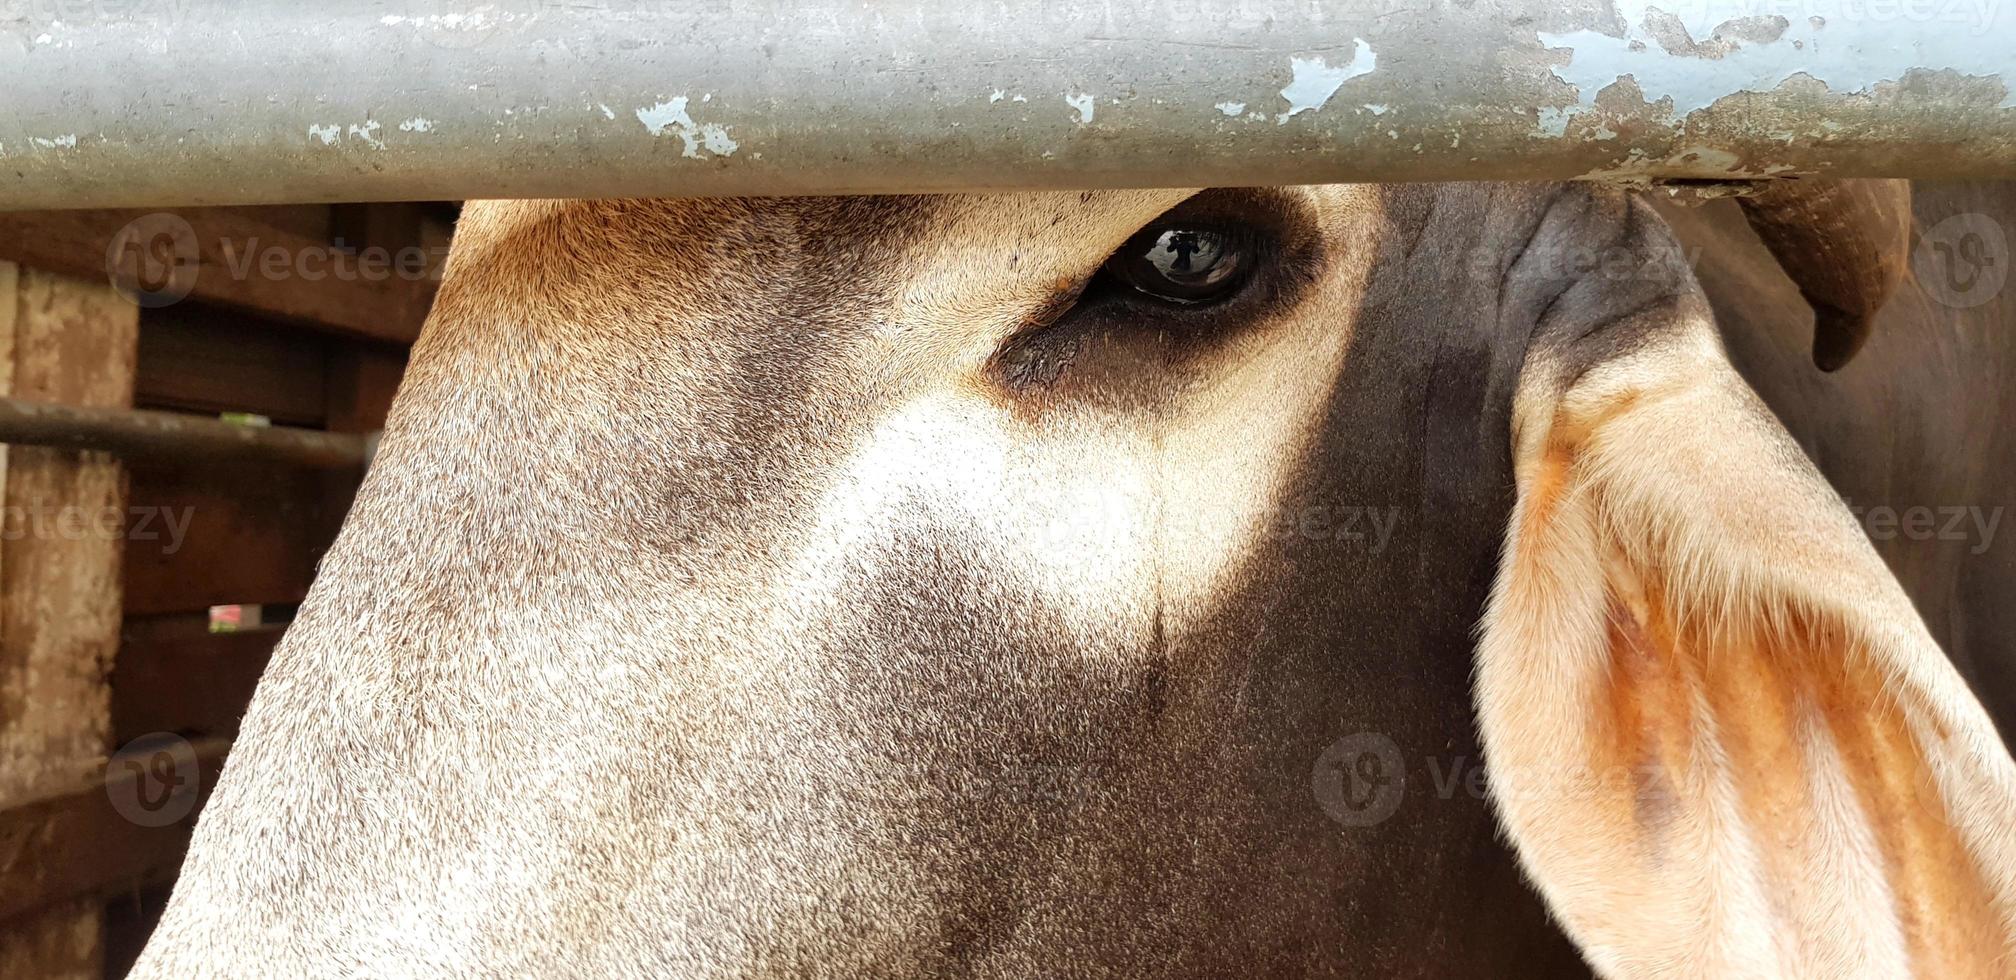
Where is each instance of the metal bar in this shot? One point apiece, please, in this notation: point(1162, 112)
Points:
point(174, 437)
point(187, 102)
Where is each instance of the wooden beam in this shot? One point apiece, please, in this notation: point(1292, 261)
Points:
point(229, 534)
point(200, 357)
point(130, 920)
point(174, 675)
point(72, 342)
point(242, 262)
point(81, 844)
point(362, 380)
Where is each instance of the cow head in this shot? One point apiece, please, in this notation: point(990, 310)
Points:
point(910, 586)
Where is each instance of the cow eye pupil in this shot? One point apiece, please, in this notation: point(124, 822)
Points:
point(1182, 265)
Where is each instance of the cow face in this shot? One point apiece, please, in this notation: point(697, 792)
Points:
point(904, 586)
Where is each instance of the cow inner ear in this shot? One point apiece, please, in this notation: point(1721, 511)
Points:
point(1718, 733)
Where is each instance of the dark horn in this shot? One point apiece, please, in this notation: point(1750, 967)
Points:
point(1845, 244)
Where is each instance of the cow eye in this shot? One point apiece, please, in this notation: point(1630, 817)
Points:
point(1182, 264)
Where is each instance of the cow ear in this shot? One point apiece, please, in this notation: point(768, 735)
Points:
point(1717, 732)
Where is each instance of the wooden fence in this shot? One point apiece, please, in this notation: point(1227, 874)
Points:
point(293, 314)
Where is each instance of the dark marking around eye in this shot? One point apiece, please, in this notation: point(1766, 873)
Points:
point(1038, 355)
point(1220, 262)
point(1038, 361)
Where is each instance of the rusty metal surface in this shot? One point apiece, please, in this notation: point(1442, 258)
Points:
point(184, 102)
point(174, 437)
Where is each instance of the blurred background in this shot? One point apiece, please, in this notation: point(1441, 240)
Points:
point(239, 360)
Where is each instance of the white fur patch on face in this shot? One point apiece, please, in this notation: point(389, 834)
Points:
point(1072, 524)
point(1112, 517)
point(1227, 460)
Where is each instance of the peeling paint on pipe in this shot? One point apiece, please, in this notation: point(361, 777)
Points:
point(190, 102)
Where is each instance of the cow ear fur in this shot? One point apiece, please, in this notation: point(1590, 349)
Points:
point(1718, 733)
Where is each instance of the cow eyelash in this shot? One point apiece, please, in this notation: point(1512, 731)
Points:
point(1276, 254)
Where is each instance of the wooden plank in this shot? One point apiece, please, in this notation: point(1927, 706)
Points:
point(237, 261)
point(174, 675)
point(105, 832)
point(311, 221)
point(228, 534)
point(196, 357)
point(388, 225)
point(363, 378)
point(130, 918)
point(72, 342)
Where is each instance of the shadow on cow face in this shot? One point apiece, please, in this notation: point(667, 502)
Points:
point(914, 586)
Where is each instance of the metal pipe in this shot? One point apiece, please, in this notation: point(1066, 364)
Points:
point(187, 102)
point(173, 437)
